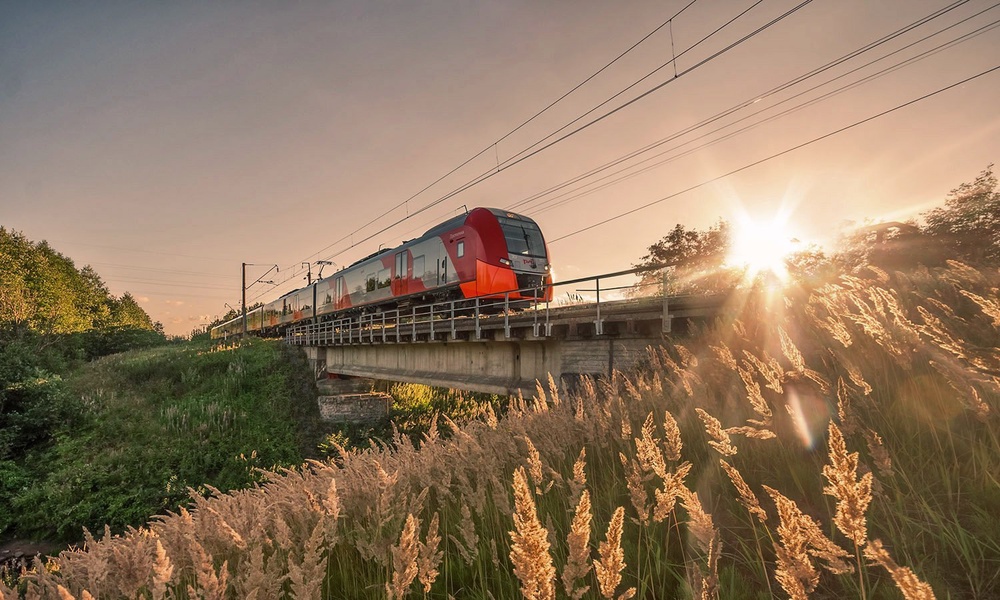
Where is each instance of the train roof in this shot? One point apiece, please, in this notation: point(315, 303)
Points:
point(460, 220)
point(370, 256)
point(449, 224)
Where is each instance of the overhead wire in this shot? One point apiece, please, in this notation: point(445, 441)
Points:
point(562, 199)
point(673, 60)
point(112, 280)
point(71, 243)
point(170, 271)
point(773, 156)
point(750, 101)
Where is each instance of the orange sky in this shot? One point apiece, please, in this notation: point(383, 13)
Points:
point(166, 143)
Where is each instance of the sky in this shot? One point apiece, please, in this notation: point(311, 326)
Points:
point(167, 143)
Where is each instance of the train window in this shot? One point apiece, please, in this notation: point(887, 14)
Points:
point(401, 265)
point(418, 267)
point(460, 250)
point(523, 237)
point(383, 278)
point(370, 283)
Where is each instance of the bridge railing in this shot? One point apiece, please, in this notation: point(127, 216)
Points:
point(475, 317)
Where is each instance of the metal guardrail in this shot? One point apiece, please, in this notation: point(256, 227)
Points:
point(474, 316)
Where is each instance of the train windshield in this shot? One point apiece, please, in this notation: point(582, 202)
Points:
point(523, 237)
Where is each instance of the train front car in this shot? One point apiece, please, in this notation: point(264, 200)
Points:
point(511, 257)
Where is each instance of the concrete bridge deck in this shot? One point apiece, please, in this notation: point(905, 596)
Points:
point(463, 347)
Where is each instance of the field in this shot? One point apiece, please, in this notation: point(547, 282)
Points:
point(138, 429)
point(823, 441)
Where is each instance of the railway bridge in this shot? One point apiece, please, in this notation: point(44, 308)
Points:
point(491, 346)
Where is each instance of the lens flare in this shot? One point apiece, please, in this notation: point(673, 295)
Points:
point(761, 247)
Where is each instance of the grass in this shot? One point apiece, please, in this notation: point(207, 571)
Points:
point(150, 425)
point(861, 415)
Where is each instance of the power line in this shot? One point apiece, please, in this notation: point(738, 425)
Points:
point(773, 156)
point(171, 271)
point(215, 258)
point(753, 100)
point(479, 179)
point(561, 200)
point(712, 57)
point(673, 61)
point(168, 284)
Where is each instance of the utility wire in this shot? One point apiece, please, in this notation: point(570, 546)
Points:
point(672, 61)
point(752, 100)
point(715, 55)
point(171, 271)
point(773, 156)
point(562, 199)
point(547, 205)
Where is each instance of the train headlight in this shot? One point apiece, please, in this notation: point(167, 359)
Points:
point(504, 261)
point(547, 267)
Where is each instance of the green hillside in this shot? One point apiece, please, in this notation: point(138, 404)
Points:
point(143, 428)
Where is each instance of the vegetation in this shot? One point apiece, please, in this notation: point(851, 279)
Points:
point(53, 318)
point(44, 292)
point(144, 428)
point(414, 411)
point(677, 466)
point(836, 437)
point(696, 256)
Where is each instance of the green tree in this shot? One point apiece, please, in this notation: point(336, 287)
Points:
point(695, 260)
point(968, 224)
point(43, 289)
point(15, 297)
point(126, 312)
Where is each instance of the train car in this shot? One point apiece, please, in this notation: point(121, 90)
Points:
point(484, 253)
point(234, 326)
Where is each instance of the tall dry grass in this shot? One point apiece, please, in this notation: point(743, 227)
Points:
point(825, 442)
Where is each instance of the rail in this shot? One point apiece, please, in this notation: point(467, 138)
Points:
point(477, 317)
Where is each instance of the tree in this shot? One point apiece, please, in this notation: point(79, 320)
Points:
point(968, 225)
point(890, 245)
point(695, 257)
point(44, 291)
point(126, 312)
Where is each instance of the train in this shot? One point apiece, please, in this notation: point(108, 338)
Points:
point(483, 253)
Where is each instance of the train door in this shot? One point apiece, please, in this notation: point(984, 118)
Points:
point(399, 282)
point(443, 271)
point(339, 298)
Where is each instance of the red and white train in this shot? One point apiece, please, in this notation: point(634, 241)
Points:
point(484, 253)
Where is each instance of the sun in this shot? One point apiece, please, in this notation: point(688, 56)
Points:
point(762, 247)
